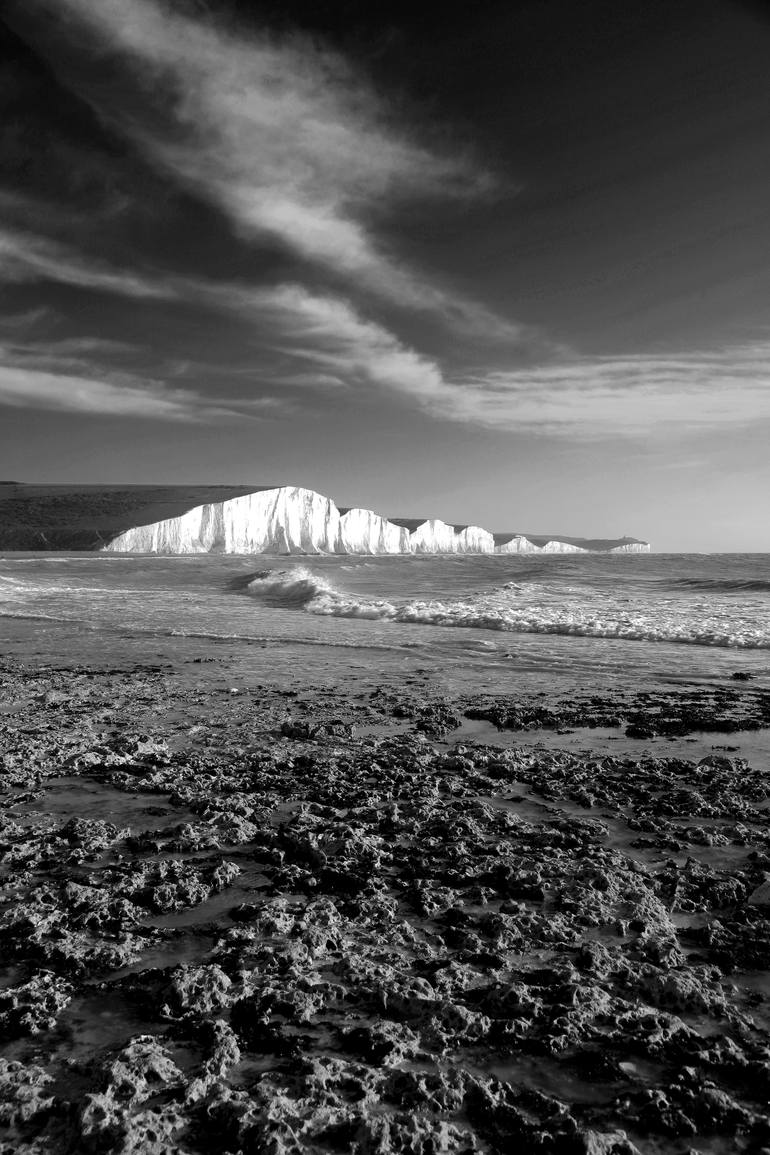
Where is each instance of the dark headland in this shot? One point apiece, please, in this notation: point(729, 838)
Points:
point(85, 517)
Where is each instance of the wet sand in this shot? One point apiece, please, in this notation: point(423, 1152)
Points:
point(243, 914)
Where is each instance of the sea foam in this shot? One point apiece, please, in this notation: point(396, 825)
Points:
point(522, 608)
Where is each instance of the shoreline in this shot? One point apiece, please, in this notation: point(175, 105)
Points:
point(239, 915)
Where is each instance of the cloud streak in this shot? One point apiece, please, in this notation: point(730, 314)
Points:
point(314, 341)
point(63, 392)
point(286, 138)
point(310, 341)
point(625, 395)
point(64, 376)
point(26, 257)
point(329, 334)
point(586, 397)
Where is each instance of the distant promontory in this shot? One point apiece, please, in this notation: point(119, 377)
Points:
point(245, 519)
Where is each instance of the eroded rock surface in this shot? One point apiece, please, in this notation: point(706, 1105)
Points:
point(242, 923)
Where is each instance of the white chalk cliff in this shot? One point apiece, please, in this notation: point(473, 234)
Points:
point(631, 547)
point(361, 531)
point(436, 536)
point(291, 520)
point(521, 544)
point(284, 520)
point(560, 547)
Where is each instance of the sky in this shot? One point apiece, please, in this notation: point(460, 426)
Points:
point(505, 264)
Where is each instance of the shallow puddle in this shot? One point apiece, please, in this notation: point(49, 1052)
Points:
point(250, 881)
point(104, 1019)
point(77, 797)
point(188, 949)
point(753, 745)
point(555, 1079)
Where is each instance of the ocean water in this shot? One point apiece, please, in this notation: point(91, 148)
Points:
point(552, 620)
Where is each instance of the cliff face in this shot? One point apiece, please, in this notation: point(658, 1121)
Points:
point(436, 536)
point(473, 539)
point(631, 547)
point(517, 544)
point(559, 547)
point(521, 544)
point(291, 520)
point(285, 520)
point(361, 531)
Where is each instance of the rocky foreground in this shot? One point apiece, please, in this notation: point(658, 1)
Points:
point(243, 921)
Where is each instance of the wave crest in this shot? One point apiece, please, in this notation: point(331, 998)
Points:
point(514, 608)
point(290, 588)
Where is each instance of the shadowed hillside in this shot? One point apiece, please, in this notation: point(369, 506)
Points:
point(84, 517)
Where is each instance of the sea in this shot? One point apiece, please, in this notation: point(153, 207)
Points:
point(544, 624)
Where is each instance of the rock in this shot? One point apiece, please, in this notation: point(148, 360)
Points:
point(607, 1143)
point(23, 1093)
point(200, 988)
point(761, 895)
point(33, 1006)
point(145, 1132)
point(394, 919)
point(114, 1117)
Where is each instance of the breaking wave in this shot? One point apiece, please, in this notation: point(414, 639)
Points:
point(289, 588)
point(521, 608)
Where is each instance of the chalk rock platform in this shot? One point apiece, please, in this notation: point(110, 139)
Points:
point(238, 919)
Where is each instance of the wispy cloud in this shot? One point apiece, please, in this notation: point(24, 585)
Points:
point(23, 321)
point(37, 389)
point(287, 139)
point(328, 334)
point(585, 397)
point(63, 376)
point(26, 257)
point(625, 395)
point(306, 341)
